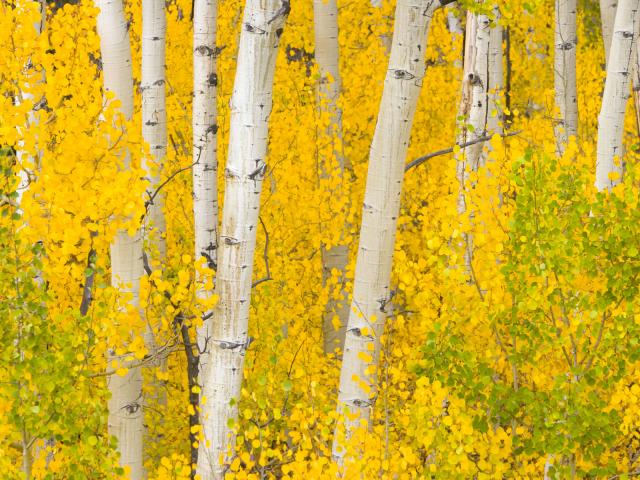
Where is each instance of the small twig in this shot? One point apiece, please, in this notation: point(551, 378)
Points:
point(265, 255)
point(155, 193)
point(168, 348)
point(428, 156)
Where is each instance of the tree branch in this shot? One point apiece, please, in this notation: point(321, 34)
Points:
point(429, 156)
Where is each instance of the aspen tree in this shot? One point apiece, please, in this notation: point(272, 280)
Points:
point(27, 162)
point(609, 164)
point(496, 76)
point(205, 161)
point(474, 109)
point(566, 99)
point(154, 117)
point(205, 146)
point(125, 405)
point(358, 376)
point(24, 157)
point(154, 133)
point(607, 17)
point(335, 257)
point(251, 104)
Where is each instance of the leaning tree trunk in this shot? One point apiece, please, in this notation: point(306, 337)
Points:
point(125, 419)
point(205, 161)
point(332, 164)
point(358, 376)
point(251, 104)
point(566, 97)
point(609, 166)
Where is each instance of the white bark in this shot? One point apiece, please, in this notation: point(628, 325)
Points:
point(358, 376)
point(475, 100)
point(609, 167)
point(251, 104)
point(154, 116)
point(495, 121)
point(453, 22)
point(125, 420)
point(607, 17)
point(566, 98)
point(26, 176)
point(325, 14)
point(205, 146)
point(154, 133)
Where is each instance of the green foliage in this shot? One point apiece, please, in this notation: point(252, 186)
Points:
point(566, 333)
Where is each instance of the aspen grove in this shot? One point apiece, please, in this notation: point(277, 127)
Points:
point(353, 239)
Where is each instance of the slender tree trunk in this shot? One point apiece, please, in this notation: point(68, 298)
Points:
point(205, 188)
point(609, 166)
point(607, 16)
point(154, 133)
point(26, 176)
point(125, 419)
point(205, 147)
point(154, 118)
point(251, 104)
point(334, 257)
point(495, 121)
point(566, 97)
point(358, 376)
point(474, 111)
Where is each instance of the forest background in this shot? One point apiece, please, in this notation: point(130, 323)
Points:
point(506, 343)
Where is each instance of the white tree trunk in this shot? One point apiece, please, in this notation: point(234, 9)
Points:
point(205, 147)
point(125, 419)
point(495, 121)
point(453, 22)
point(251, 104)
point(154, 133)
point(609, 166)
point(474, 110)
point(26, 175)
point(607, 17)
point(154, 117)
point(566, 97)
point(325, 15)
point(358, 376)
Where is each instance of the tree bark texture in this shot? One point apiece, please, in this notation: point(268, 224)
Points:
point(251, 103)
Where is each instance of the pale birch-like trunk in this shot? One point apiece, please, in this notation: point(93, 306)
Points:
point(474, 111)
point(251, 104)
point(609, 166)
point(607, 17)
point(154, 119)
point(566, 97)
point(358, 376)
point(154, 133)
point(495, 121)
point(205, 146)
point(26, 176)
point(325, 14)
point(125, 420)
point(453, 22)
